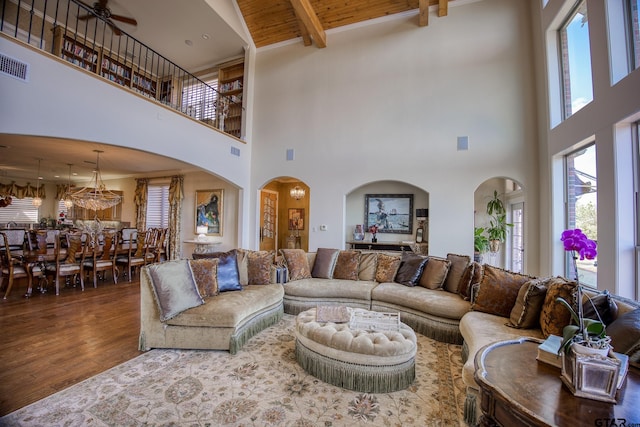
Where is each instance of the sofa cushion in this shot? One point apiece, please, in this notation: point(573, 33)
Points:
point(498, 291)
point(205, 274)
point(555, 316)
point(458, 266)
point(526, 311)
point(347, 265)
point(432, 303)
point(435, 273)
point(411, 269)
point(625, 335)
point(368, 265)
point(387, 267)
point(330, 288)
point(174, 288)
point(325, 263)
point(601, 303)
point(259, 267)
point(297, 263)
point(464, 286)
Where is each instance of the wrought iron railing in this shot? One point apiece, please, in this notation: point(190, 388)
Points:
point(75, 32)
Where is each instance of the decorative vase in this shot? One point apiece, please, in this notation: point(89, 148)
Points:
point(494, 246)
point(590, 372)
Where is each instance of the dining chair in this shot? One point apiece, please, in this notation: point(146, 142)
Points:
point(16, 237)
point(66, 261)
point(137, 255)
point(160, 244)
point(100, 255)
point(12, 267)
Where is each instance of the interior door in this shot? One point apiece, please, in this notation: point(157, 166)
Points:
point(268, 220)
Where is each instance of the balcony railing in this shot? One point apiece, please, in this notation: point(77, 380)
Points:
point(72, 31)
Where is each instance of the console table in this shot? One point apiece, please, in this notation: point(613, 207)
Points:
point(380, 246)
point(516, 389)
point(203, 246)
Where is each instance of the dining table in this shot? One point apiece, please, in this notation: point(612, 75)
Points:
point(35, 258)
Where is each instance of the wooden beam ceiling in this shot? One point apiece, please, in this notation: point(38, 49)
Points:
point(305, 13)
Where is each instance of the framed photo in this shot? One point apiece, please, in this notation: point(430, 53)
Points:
point(296, 219)
point(209, 212)
point(392, 213)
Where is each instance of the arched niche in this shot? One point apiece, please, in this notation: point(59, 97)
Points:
point(355, 209)
point(283, 218)
point(510, 254)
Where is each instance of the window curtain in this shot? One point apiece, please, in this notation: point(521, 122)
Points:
point(21, 191)
point(140, 200)
point(176, 194)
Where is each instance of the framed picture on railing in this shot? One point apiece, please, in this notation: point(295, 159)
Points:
point(209, 212)
point(392, 213)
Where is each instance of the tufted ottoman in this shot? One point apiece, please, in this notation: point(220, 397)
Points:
point(369, 362)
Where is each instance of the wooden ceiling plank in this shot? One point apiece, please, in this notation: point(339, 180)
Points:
point(423, 16)
point(304, 33)
point(308, 16)
point(443, 8)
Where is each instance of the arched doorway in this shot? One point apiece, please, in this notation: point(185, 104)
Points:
point(284, 214)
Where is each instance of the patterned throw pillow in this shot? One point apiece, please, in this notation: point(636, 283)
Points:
point(243, 266)
point(259, 267)
point(435, 273)
point(386, 268)
point(205, 274)
point(458, 267)
point(411, 269)
point(367, 267)
point(498, 291)
point(297, 264)
point(324, 263)
point(526, 311)
point(347, 265)
point(555, 316)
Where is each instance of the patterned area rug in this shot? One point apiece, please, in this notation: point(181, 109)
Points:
point(262, 385)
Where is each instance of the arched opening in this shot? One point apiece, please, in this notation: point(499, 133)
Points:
point(284, 215)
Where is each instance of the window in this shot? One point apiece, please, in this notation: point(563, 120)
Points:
point(19, 211)
point(199, 100)
point(581, 204)
point(634, 29)
point(517, 237)
point(575, 60)
point(158, 206)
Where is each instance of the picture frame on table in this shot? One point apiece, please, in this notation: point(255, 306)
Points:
point(209, 212)
point(392, 213)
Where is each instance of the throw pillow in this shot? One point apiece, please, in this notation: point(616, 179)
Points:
point(368, 265)
point(325, 262)
point(259, 267)
point(386, 268)
point(174, 288)
point(601, 304)
point(498, 291)
point(205, 274)
point(297, 264)
point(526, 311)
point(458, 267)
point(347, 265)
point(465, 281)
point(411, 269)
point(435, 273)
point(625, 335)
point(555, 316)
point(228, 276)
point(243, 266)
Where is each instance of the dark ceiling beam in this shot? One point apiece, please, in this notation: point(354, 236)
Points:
point(307, 15)
point(443, 8)
point(423, 16)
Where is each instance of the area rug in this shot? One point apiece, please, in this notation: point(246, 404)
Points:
point(262, 385)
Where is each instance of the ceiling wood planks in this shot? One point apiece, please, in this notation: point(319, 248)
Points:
point(304, 11)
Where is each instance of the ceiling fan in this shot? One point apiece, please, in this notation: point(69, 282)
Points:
point(100, 9)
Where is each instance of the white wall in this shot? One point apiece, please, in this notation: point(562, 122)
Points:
point(387, 102)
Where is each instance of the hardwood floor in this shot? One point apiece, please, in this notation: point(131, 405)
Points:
point(51, 342)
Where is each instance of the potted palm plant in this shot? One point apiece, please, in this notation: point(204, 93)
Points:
point(480, 243)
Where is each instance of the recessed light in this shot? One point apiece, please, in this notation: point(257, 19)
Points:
point(206, 36)
point(188, 42)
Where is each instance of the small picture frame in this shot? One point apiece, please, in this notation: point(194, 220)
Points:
point(296, 219)
point(209, 211)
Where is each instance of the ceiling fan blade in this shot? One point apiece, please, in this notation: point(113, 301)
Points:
point(124, 19)
point(114, 27)
point(85, 17)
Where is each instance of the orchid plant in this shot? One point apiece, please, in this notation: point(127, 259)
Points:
point(588, 332)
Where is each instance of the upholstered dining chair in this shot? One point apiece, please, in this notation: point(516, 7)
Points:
point(137, 255)
point(100, 255)
point(16, 237)
point(66, 261)
point(12, 267)
point(160, 244)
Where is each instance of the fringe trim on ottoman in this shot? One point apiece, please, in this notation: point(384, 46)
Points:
point(252, 327)
point(362, 378)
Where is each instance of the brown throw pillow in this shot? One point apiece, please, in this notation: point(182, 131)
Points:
point(387, 267)
point(465, 281)
point(347, 265)
point(555, 316)
point(297, 264)
point(259, 267)
point(325, 262)
point(526, 311)
point(205, 274)
point(435, 273)
point(625, 335)
point(498, 291)
point(367, 267)
point(603, 304)
point(458, 267)
point(411, 269)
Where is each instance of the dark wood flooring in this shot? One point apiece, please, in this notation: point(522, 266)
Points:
point(51, 342)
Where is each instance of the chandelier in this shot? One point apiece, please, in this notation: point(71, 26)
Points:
point(37, 201)
point(297, 192)
point(67, 196)
point(95, 196)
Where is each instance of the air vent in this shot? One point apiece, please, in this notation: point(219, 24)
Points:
point(14, 68)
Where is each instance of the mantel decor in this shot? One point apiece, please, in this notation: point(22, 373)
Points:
point(392, 213)
point(209, 212)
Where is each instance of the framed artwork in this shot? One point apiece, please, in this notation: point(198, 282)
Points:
point(392, 213)
point(209, 211)
point(296, 219)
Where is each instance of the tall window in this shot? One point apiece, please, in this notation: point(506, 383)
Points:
point(158, 205)
point(576, 60)
point(517, 238)
point(581, 201)
point(634, 29)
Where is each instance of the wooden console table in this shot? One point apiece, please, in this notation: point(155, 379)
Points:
point(516, 389)
point(380, 246)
